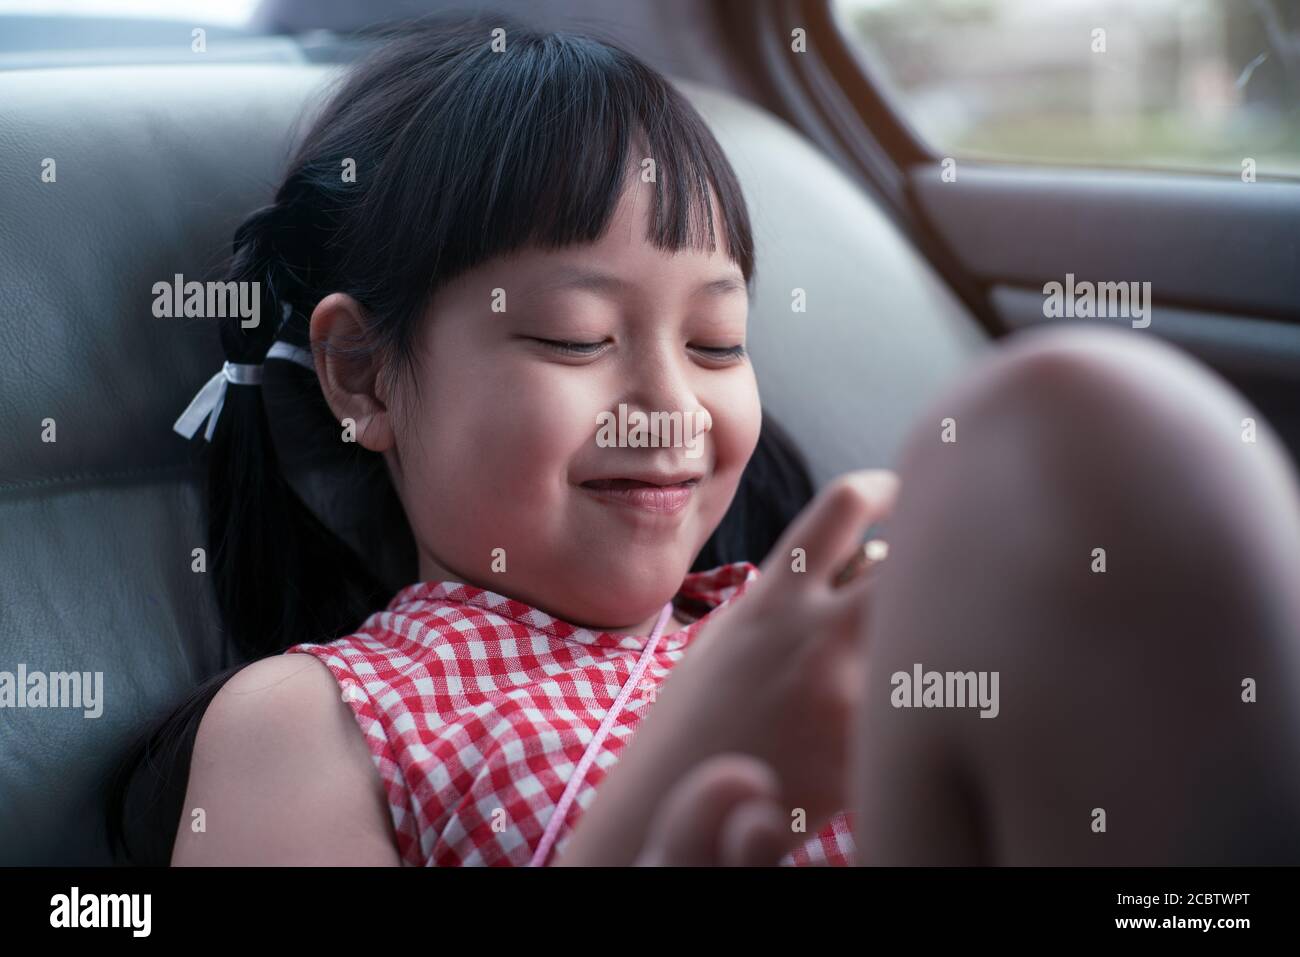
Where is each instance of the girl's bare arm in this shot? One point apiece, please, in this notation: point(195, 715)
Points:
point(282, 776)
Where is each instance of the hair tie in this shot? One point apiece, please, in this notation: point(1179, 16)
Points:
point(208, 401)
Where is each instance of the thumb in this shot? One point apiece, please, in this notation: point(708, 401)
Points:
point(830, 529)
point(754, 834)
point(723, 811)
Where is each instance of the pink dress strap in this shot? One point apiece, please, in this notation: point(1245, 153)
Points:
point(593, 748)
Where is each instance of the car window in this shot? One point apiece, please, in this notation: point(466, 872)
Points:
point(1197, 84)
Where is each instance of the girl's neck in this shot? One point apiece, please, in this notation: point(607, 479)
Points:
point(682, 615)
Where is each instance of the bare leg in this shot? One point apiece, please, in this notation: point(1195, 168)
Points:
point(1119, 690)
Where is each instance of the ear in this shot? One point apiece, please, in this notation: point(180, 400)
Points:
point(351, 383)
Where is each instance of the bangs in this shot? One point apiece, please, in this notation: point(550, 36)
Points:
point(535, 145)
point(583, 139)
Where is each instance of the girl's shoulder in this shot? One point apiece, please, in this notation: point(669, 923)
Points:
point(278, 729)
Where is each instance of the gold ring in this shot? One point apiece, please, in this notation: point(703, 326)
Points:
point(868, 555)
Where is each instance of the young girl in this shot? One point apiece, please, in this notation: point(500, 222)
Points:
point(539, 233)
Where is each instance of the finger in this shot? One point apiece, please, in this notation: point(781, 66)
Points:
point(844, 645)
point(848, 607)
point(688, 828)
point(863, 561)
point(754, 834)
point(849, 679)
point(831, 528)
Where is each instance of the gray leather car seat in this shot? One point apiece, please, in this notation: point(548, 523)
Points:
point(153, 169)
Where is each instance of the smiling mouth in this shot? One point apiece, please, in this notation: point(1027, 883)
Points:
point(642, 495)
point(624, 483)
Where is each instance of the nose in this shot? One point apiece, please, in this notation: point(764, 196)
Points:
point(661, 378)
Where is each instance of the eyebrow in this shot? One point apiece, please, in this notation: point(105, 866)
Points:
point(572, 277)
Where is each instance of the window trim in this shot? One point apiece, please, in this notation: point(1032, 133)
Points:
point(830, 97)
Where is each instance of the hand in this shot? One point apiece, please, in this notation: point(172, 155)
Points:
point(777, 675)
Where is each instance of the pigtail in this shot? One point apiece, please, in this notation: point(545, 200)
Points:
point(281, 577)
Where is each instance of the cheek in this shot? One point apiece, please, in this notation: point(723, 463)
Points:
point(542, 422)
point(516, 426)
point(488, 465)
point(737, 418)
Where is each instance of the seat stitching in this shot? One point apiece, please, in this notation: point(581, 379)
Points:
point(81, 476)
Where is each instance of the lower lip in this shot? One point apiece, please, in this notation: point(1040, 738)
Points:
point(666, 499)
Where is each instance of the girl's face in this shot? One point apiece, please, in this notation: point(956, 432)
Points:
point(509, 460)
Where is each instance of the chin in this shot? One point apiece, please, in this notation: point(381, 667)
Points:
point(641, 591)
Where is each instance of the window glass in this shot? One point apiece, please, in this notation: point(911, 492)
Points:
point(1201, 84)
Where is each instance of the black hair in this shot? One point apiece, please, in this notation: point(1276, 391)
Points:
point(452, 142)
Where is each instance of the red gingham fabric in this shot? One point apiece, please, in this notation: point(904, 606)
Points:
point(477, 708)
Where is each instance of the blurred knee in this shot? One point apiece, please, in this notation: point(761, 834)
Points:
point(1074, 418)
point(1083, 516)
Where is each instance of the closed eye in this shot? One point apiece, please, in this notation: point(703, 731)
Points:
point(721, 352)
point(568, 347)
point(571, 348)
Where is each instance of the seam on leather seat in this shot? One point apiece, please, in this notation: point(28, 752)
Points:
point(96, 476)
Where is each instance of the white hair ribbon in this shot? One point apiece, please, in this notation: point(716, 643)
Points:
point(208, 401)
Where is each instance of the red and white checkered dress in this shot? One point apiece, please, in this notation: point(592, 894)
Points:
point(477, 709)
